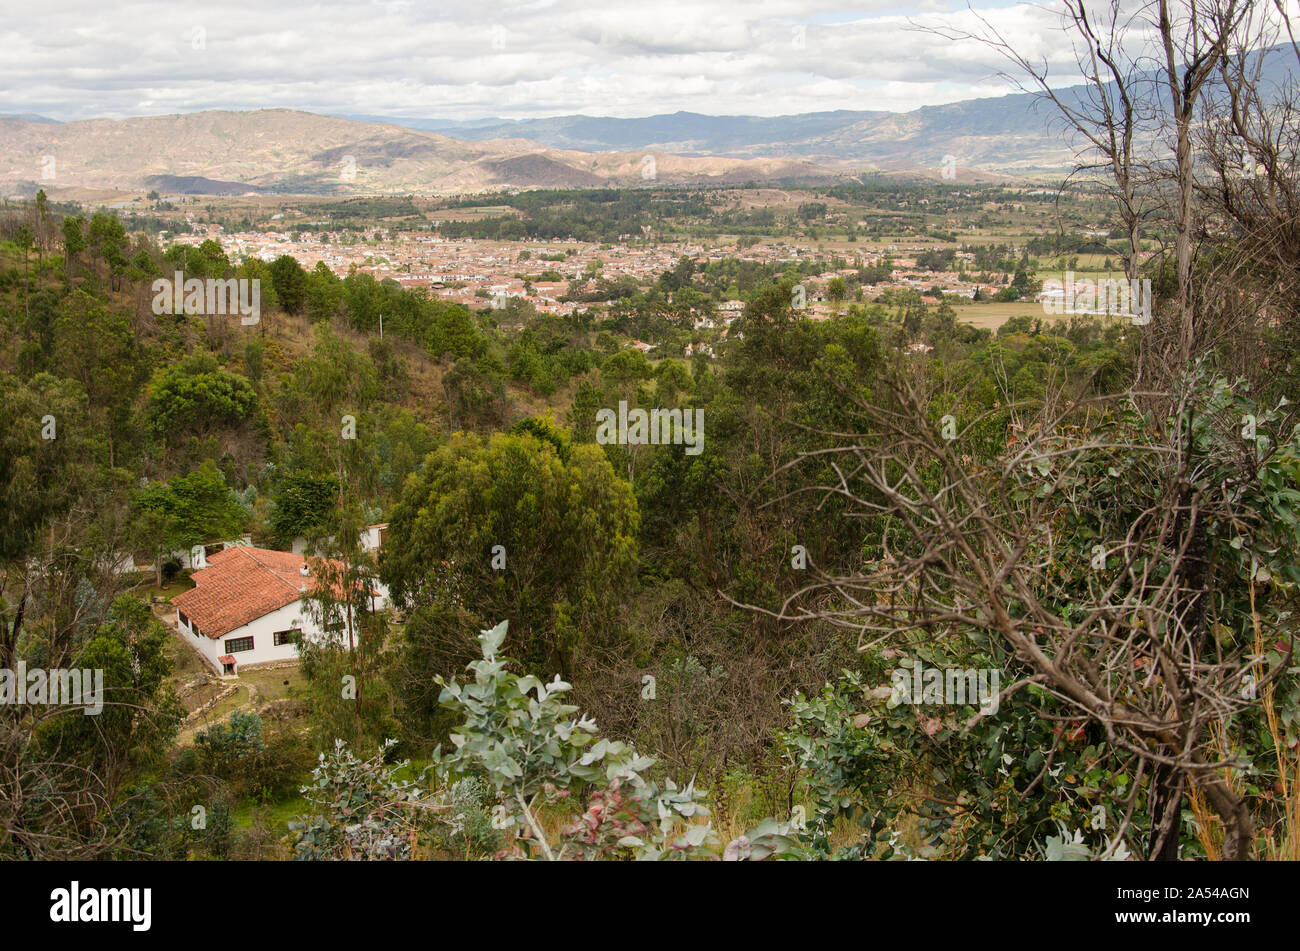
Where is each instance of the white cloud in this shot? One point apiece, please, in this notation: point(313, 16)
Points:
point(461, 59)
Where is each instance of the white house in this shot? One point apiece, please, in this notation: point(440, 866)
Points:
point(372, 539)
point(247, 608)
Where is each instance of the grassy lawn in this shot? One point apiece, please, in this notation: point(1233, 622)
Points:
point(201, 695)
point(227, 706)
point(144, 586)
point(1090, 266)
point(215, 715)
point(993, 315)
point(276, 814)
point(178, 585)
point(278, 684)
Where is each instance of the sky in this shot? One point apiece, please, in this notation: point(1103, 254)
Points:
point(452, 59)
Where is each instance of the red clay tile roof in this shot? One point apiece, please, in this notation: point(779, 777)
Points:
point(241, 585)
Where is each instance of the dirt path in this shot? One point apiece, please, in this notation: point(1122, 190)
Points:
point(193, 671)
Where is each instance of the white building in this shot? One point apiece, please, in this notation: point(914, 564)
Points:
point(371, 539)
point(247, 608)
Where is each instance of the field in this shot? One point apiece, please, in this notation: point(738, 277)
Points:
point(991, 316)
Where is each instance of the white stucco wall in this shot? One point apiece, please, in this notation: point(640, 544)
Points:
point(369, 539)
point(262, 631)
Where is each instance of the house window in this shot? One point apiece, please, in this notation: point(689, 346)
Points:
point(184, 619)
point(237, 644)
point(287, 637)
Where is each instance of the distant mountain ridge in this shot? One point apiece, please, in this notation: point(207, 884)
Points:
point(280, 151)
point(692, 130)
point(27, 117)
point(1012, 134)
point(1017, 133)
point(1007, 134)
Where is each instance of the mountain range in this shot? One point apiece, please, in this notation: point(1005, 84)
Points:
point(1018, 134)
point(1014, 134)
point(282, 151)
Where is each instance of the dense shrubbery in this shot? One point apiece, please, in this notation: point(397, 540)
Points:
point(699, 607)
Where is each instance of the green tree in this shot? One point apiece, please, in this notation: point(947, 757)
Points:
point(290, 282)
point(24, 238)
point(96, 347)
point(196, 397)
point(72, 779)
point(107, 239)
point(189, 510)
point(835, 290)
point(302, 503)
point(509, 527)
point(46, 457)
point(323, 295)
point(74, 242)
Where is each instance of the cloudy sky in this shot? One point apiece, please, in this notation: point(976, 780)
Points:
point(72, 59)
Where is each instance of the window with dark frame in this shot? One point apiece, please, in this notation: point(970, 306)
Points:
point(291, 636)
point(238, 644)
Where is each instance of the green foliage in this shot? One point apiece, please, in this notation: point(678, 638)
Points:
point(40, 477)
point(290, 283)
point(302, 504)
point(95, 346)
point(533, 747)
point(614, 556)
point(362, 811)
point(141, 714)
point(224, 743)
point(892, 780)
point(195, 397)
point(467, 830)
point(190, 509)
point(348, 680)
point(545, 431)
point(568, 531)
